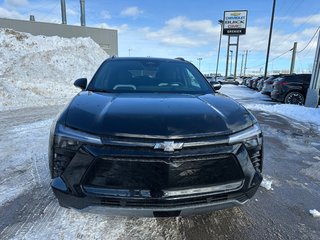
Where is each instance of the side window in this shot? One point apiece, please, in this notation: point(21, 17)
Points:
point(192, 80)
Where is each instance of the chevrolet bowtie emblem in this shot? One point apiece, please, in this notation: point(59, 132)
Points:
point(168, 146)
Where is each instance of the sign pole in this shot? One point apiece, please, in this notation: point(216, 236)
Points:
point(236, 61)
point(227, 62)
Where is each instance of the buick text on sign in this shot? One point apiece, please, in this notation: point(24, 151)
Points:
point(235, 22)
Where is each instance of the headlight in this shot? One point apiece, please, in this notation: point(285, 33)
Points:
point(69, 138)
point(251, 137)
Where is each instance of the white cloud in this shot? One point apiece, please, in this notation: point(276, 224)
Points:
point(312, 20)
point(121, 28)
point(256, 39)
point(183, 32)
point(72, 12)
point(4, 13)
point(105, 15)
point(131, 12)
point(17, 3)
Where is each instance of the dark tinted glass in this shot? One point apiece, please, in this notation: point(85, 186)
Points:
point(149, 76)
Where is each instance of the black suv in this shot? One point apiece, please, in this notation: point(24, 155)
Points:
point(291, 89)
point(151, 137)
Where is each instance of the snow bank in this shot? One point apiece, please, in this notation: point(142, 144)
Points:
point(242, 92)
point(300, 113)
point(314, 213)
point(39, 70)
point(256, 101)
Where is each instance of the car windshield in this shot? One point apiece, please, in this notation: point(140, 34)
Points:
point(149, 75)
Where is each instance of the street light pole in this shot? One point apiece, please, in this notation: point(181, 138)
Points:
point(242, 56)
point(199, 59)
point(245, 64)
point(269, 41)
point(231, 63)
point(221, 25)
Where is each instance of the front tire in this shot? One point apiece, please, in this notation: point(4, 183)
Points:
point(294, 98)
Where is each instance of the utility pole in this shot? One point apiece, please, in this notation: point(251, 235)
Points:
point(83, 13)
point(242, 56)
point(231, 63)
point(269, 41)
point(63, 12)
point(293, 59)
point(313, 90)
point(245, 64)
point(221, 25)
point(199, 59)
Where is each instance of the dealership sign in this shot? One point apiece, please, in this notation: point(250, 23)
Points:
point(235, 22)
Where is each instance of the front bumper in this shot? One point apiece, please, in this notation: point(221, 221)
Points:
point(78, 186)
point(267, 89)
point(92, 205)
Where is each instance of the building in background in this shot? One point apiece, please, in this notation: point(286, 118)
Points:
point(106, 38)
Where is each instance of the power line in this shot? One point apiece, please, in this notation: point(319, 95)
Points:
point(288, 38)
point(313, 44)
point(309, 41)
point(260, 65)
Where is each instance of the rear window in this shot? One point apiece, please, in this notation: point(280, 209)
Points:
point(149, 76)
point(299, 78)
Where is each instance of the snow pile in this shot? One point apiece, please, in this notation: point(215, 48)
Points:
point(39, 70)
point(314, 213)
point(242, 92)
point(267, 184)
point(256, 101)
point(300, 113)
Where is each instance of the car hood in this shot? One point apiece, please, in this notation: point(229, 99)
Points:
point(156, 114)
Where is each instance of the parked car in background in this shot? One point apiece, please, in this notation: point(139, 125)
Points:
point(291, 89)
point(245, 79)
point(256, 82)
point(261, 83)
point(268, 84)
point(250, 82)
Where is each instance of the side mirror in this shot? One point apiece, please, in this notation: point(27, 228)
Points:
point(216, 85)
point(81, 83)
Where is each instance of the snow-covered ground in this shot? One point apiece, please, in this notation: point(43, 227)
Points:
point(39, 70)
point(256, 101)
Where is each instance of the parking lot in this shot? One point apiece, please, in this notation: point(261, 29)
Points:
point(292, 162)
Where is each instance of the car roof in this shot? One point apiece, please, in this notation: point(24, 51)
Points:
point(147, 58)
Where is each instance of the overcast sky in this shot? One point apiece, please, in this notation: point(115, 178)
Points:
point(190, 29)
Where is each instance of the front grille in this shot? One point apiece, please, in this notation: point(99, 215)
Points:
point(150, 142)
point(163, 173)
